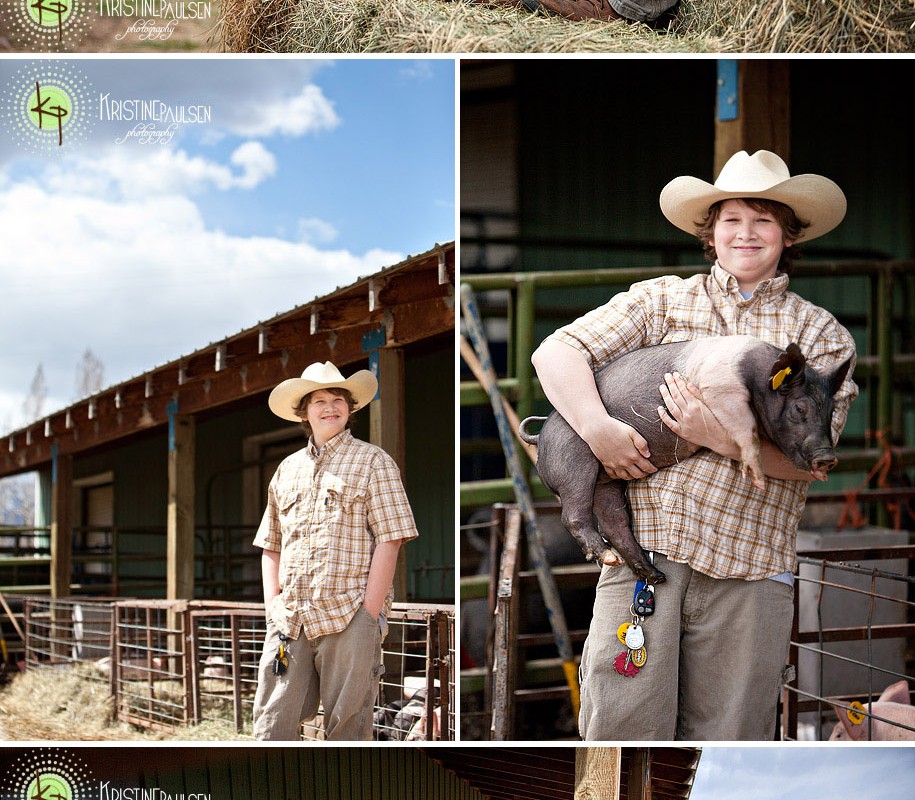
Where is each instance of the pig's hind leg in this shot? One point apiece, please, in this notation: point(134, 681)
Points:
point(573, 482)
point(612, 514)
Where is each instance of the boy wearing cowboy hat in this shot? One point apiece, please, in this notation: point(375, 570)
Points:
point(717, 642)
point(336, 517)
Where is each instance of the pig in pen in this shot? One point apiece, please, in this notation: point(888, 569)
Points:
point(852, 642)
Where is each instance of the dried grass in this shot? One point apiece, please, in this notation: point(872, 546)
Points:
point(439, 26)
point(73, 705)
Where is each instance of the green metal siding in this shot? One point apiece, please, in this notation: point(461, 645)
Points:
point(430, 478)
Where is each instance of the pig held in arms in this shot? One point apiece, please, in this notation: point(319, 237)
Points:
point(750, 386)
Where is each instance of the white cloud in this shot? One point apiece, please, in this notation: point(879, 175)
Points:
point(418, 69)
point(257, 164)
point(140, 277)
point(316, 231)
point(160, 171)
point(308, 112)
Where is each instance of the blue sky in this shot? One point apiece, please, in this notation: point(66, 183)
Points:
point(788, 772)
point(307, 175)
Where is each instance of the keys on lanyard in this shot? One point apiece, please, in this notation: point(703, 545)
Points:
point(631, 634)
point(281, 659)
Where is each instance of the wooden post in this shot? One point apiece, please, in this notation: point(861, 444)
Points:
point(597, 773)
point(639, 787)
point(61, 550)
point(61, 525)
point(180, 570)
point(387, 417)
point(505, 643)
point(763, 113)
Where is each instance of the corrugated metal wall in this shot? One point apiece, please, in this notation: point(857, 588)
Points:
point(599, 139)
point(316, 774)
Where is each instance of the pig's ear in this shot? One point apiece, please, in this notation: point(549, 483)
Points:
point(897, 693)
point(788, 369)
point(838, 375)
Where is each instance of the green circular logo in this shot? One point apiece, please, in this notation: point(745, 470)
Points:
point(47, 25)
point(50, 786)
point(49, 107)
point(49, 13)
point(46, 774)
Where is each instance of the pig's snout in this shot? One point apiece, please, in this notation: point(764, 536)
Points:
point(822, 462)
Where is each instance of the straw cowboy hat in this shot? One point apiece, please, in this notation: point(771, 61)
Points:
point(285, 398)
point(814, 199)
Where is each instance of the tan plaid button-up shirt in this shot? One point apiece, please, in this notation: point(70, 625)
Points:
point(325, 513)
point(702, 512)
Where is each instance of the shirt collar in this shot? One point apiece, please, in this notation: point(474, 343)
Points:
point(767, 289)
point(332, 445)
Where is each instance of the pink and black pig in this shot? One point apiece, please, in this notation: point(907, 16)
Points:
point(753, 388)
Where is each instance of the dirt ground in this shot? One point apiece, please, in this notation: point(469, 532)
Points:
point(189, 35)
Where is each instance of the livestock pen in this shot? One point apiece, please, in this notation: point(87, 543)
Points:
point(170, 665)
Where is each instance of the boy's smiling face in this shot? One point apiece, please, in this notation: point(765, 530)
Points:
point(327, 413)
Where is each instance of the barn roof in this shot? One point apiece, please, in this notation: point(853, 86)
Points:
point(398, 305)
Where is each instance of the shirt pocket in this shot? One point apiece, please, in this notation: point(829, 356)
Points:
point(287, 506)
point(341, 504)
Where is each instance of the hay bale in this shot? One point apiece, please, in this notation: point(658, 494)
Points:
point(439, 26)
point(806, 26)
point(58, 704)
point(71, 704)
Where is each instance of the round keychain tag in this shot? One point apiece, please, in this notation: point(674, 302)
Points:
point(635, 637)
point(639, 657)
point(621, 631)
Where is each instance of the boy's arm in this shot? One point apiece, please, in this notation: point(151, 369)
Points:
point(381, 576)
point(270, 573)
point(568, 383)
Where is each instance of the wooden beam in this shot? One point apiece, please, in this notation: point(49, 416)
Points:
point(387, 417)
point(597, 773)
point(763, 112)
point(61, 524)
point(180, 530)
point(639, 786)
point(388, 412)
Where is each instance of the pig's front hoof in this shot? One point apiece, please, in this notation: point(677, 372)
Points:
point(611, 558)
point(646, 571)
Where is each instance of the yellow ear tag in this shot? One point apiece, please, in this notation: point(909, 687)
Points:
point(779, 377)
point(856, 716)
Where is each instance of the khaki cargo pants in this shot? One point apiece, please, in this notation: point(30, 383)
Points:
point(716, 653)
point(340, 671)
